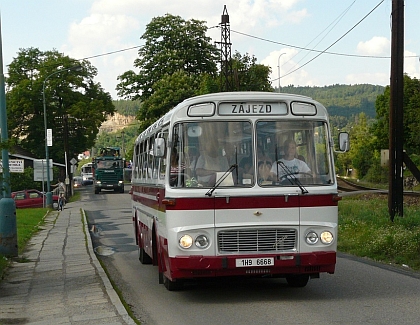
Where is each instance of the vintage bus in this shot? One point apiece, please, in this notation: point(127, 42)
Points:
point(214, 194)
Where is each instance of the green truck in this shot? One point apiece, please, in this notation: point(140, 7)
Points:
point(108, 170)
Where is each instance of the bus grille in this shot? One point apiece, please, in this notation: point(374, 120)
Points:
point(257, 240)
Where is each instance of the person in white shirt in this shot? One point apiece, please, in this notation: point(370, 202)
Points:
point(289, 161)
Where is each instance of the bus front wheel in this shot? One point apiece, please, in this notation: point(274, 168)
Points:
point(172, 285)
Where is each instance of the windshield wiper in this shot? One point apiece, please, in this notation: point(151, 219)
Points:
point(291, 177)
point(221, 179)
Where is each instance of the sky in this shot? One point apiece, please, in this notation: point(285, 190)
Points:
point(306, 42)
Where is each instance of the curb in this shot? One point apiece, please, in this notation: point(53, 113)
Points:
point(113, 296)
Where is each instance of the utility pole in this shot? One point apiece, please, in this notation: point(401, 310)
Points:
point(226, 82)
point(395, 196)
point(8, 226)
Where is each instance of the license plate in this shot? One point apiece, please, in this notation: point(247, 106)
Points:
point(252, 262)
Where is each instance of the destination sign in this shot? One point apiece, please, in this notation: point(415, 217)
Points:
point(269, 108)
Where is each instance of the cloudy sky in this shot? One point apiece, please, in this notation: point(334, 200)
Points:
point(310, 42)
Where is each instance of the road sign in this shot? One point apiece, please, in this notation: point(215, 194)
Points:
point(40, 170)
point(73, 161)
point(49, 137)
point(15, 165)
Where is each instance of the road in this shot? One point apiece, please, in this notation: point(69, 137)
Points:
point(360, 292)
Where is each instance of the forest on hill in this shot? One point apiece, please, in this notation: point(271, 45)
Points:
point(127, 107)
point(342, 100)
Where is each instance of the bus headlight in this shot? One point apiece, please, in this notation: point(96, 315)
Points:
point(185, 241)
point(311, 238)
point(326, 237)
point(202, 241)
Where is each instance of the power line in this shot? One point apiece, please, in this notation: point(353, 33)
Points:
point(329, 28)
point(112, 52)
point(339, 39)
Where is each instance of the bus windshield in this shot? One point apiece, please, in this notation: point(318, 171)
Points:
point(246, 154)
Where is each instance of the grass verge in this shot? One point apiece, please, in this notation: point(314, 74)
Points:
point(28, 222)
point(365, 230)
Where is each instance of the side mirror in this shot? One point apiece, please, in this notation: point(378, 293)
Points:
point(344, 142)
point(159, 148)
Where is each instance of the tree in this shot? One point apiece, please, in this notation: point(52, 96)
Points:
point(169, 91)
point(411, 117)
point(73, 101)
point(361, 149)
point(171, 45)
point(249, 75)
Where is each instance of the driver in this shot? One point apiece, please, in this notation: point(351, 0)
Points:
point(293, 164)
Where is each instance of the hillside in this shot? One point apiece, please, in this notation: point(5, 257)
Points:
point(342, 100)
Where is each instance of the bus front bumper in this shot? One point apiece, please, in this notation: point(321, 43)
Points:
point(219, 266)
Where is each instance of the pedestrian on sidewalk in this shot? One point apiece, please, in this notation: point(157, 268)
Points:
point(61, 194)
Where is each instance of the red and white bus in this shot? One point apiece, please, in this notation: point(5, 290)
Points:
point(214, 194)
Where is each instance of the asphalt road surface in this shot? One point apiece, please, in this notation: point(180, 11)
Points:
point(360, 292)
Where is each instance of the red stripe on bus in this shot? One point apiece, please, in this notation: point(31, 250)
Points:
point(153, 196)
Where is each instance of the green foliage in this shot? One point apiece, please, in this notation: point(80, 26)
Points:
point(76, 106)
point(177, 62)
point(411, 117)
point(127, 107)
point(342, 100)
point(248, 75)
point(365, 230)
point(171, 45)
point(376, 173)
point(168, 92)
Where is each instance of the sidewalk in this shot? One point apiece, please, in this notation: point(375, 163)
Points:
point(61, 281)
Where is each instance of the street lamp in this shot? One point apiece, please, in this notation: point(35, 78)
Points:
point(278, 61)
point(49, 194)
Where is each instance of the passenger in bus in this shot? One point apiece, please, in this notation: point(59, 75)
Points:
point(209, 163)
point(264, 168)
point(290, 161)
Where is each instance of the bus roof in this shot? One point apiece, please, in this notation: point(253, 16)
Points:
point(239, 96)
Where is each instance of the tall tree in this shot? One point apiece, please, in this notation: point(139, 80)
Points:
point(248, 75)
point(361, 150)
point(411, 105)
point(74, 102)
point(171, 44)
point(169, 91)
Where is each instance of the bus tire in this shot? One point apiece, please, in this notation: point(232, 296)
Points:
point(172, 285)
point(297, 280)
point(143, 257)
point(160, 278)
